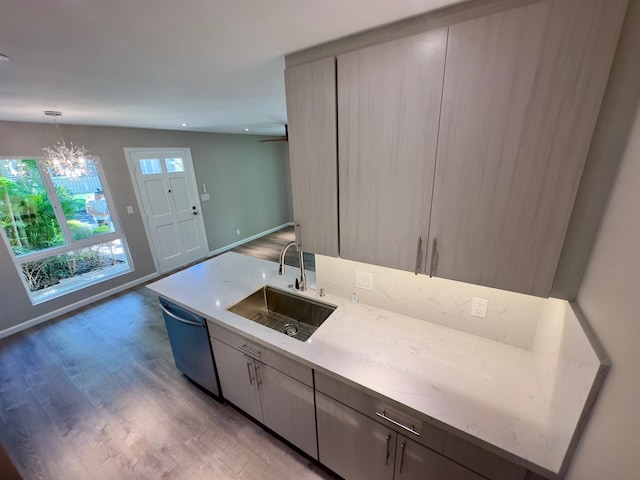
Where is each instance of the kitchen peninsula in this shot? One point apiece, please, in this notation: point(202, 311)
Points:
point(520, 405)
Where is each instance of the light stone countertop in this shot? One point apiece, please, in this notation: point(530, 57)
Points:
point(484, 389)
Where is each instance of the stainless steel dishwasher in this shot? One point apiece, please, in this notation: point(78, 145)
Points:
point(189, 338)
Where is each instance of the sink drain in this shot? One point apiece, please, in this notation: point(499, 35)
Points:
point(290, 330)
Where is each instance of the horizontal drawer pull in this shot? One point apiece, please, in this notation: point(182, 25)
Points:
point(250, 351)
point(408, 429)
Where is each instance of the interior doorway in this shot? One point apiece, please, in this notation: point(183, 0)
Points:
point(167, 194)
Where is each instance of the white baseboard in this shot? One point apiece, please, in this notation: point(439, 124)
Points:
point(120, 288)
point(249, 239)
point(68, 308)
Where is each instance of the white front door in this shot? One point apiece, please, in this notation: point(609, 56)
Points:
point(168, 196)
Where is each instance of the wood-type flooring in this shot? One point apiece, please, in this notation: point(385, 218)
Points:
point(269, 247)
point(95, 394)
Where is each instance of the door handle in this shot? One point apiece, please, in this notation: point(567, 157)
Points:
point(410, 429)
point(180, 319)
point(249, 372)
point(297, 232)
point(195, 212)
point(250, 351)
point(402, 445)
point(418, 255)
point(258, 374)
point(434, 257)
point(386, 462)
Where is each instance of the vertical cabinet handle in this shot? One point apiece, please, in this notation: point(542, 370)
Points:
point(257, 370)
point(249, 372)
point(434, 248)
point(298, 234)
point(402, 445)
point(386, 461)
point(418, 254)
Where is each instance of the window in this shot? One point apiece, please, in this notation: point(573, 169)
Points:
point(174, 165)
point(150, 166)
point(59, 226)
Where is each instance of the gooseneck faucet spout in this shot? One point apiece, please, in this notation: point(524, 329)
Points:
point(302, 285)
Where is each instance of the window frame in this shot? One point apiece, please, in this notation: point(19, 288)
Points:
point(71, 243)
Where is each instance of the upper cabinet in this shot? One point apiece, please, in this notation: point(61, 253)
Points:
point(389, 99)
point(311, 111)
point(522, 92)
point(460, 149)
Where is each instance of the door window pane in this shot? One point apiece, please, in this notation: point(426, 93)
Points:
point(174, 165)
point(150, 166)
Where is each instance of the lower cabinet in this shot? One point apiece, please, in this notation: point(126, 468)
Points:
point(237, 374)
point(355, 433)
point(357, 447)
point(281, 402)
point(413, 462)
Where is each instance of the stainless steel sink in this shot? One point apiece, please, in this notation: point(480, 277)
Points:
point(283, 311)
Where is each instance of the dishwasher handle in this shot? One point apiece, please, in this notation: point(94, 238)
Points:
point(180, 319)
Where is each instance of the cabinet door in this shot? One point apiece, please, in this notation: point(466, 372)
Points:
point(311, 111)
point(237, 375)
point(288, 408)
point(352, 445)
point(415, 462)
point(389, 99)
point(522, 92)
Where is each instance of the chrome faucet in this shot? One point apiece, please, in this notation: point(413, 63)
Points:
point(302, 285)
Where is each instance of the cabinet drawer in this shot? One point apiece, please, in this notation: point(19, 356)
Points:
point(465, 453)
point(263, 354)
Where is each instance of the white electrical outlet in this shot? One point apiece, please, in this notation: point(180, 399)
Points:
point(238, 232)
point(479, 307)
point(364, 280)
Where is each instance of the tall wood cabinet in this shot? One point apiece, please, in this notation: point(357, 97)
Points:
point(388, 109)
point(522, 92)
point(311, 111)
point(460, 149)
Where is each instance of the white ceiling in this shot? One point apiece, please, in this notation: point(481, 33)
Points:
point(214, 64)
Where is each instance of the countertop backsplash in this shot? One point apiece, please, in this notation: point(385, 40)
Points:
point(437, 300)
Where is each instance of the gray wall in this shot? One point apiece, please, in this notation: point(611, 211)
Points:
point(248, 182)
point(608, 294)
point(609, 298)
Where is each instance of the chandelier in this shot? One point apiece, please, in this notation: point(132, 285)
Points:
point(65, 159)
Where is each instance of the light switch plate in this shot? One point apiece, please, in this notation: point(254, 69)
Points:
point(129, 209)
point(479, 307)
point(205, 196)
point(364, 280)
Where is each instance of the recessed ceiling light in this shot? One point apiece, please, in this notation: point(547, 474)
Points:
point(3, 58)
point(247, 129)
point(184, 124)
